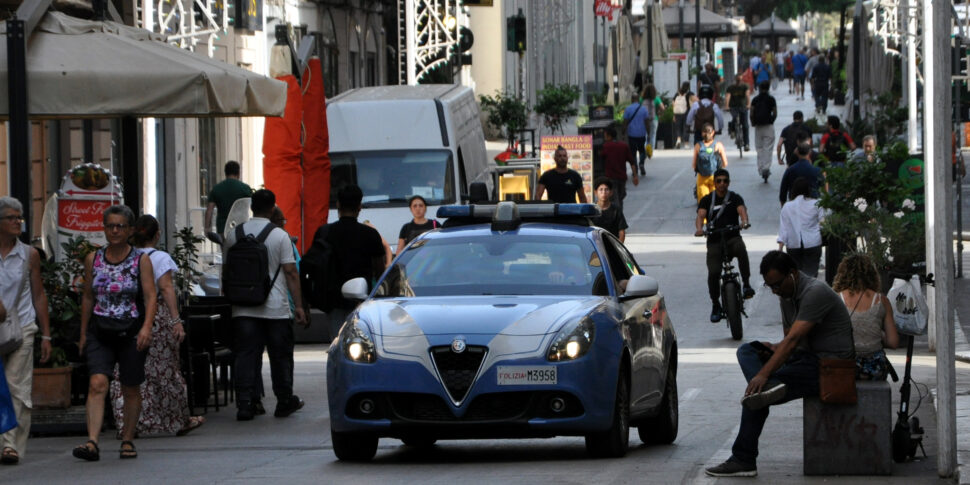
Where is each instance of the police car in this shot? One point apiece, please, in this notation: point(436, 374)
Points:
point(510, 321)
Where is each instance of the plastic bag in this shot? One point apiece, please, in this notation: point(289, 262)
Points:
point(909, 306)
point(8, 418)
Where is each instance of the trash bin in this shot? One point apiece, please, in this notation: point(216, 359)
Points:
point(600, 118)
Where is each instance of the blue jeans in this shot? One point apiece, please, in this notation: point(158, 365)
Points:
point(800, 376)
point(653, 132)
point(250, 337)
point(640, 152)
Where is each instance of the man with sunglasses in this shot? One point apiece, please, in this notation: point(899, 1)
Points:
point(816, 325)
point(723, 208)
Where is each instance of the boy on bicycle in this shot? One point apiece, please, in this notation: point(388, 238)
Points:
point(723, 208)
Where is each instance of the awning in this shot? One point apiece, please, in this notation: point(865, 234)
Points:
point(712, 24)
point(80, 68)
point(782, 28)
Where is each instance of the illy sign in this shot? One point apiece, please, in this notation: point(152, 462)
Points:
point(604, 8)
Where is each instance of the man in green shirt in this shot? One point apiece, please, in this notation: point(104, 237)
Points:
point(221, 197)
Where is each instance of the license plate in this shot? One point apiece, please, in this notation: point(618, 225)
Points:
point(519, 375)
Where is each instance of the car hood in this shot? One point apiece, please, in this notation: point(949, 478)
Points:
point(474, 315)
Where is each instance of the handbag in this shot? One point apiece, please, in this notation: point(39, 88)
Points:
point(8, 417)
point(115, 329)
point(11, 331)
point(836, 381)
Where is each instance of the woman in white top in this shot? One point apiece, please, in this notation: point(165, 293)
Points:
point(24, 299)
point(873, 327)
point(799, 231)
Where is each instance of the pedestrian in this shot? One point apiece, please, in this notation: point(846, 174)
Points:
point(762, 71)
point(790, 71)
point(720, 209)
point(419, 223)
point(789, 138)
point(868, 151)
point(616, 156)
point(764, 110)
point(563, 183)
point(835, 142)
point(821, 78)
point(799, 228)
point(358, 252)
point(656, 107)
point(221, 198)
point(709, 156)
point(703, 111)
point(116, 328)
point(709, 77)
point(267, 326)
point(799, 61)
point(738, 100)
point(779, 69)
point(816, 325)
point(611, 215)
point(809, 68)
point(801, 168)
point(23, 299)
point(164, 396)
point(636, 117)
point(873, 326)
point(682, 102)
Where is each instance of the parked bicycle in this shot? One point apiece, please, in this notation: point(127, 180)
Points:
point(732, 298)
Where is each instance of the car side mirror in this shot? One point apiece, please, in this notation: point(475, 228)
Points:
point(355, 289)
point(640, 286)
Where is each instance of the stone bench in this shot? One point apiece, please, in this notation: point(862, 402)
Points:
point(850, 439)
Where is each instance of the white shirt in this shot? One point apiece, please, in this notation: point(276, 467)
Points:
point(280, 252)
point(799, 226)
point(11, 273)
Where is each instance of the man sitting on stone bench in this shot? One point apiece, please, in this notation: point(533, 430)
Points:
point(816, 325)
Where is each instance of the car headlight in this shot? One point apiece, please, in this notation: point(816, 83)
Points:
point(573, 341)
point(357, 343)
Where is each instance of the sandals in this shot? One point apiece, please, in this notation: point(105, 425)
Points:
point(128, 450)
point(88, 453)
point(194, 422)
point(9, 456)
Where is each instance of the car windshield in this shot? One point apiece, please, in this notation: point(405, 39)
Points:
point(389, 178)
point(496, 265)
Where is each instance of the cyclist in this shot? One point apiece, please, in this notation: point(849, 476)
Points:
point(723, 208)
point(739, 101)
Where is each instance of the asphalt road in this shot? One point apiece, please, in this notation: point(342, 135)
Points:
point(661, 213)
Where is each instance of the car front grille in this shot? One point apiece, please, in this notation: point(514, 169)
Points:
point(501, 406)
point(458, 370)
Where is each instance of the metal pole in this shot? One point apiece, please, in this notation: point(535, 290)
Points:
point(774, 41)
point(19, 125)
point(649, 34)
point(912, 131)
point(697, 33)
point(939, 234)
point(856, 61)
point(410, 55)
point(680, 15)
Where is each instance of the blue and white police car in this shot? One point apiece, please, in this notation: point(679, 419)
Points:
point(511, 321)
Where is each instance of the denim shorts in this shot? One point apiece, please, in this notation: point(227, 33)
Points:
point(102, 355)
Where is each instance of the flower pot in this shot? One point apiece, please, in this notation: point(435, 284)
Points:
point(52, 388)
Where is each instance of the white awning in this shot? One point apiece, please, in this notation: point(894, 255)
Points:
point(80, 68)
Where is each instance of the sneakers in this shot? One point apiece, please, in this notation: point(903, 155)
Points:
point(769, 395)
point(748, 292)
point(732, 468)
point(258, 408)
point(288, 407)
point(246, 412)
point(716, 313)
point(642, 170)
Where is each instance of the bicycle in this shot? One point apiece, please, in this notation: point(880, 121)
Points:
point(738, 129)
point(732, 298)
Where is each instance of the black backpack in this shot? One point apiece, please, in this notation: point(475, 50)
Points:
point(245, 272)
point(833, 147)
point(704, 114)
point(319, 282)
point(761, 111)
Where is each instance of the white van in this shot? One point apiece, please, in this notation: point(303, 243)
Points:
point(399, 141)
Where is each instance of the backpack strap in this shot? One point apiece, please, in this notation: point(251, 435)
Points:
point(240, 234)
point(268, 228)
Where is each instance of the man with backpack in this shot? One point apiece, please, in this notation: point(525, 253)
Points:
point(835, 141)
point(764, 110)
point(258, 269)
point(789, 138)
point(704, 111)
point(340, 252)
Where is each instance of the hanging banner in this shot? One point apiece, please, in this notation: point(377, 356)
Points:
point(86, 191)
point(580, 151)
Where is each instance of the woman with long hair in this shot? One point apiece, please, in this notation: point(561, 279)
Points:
point(164, 396)
point(682, 103)
point(419, 225)
point(873, 327)
point(657, 107)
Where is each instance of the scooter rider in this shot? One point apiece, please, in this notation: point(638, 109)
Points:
point(723, 208)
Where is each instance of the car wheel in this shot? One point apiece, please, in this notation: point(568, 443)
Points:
point(419, 441)
point(614, 442)
point(353, 446)
point(662, 428)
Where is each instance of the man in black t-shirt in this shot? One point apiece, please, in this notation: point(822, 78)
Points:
point(358, 250)
point(611, 215)
point(789, 138)
point(723, 208)
point(562, 182)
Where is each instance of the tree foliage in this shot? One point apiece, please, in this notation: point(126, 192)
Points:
point(556, 104)
point(505, 110)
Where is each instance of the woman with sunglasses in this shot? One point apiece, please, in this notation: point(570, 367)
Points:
point(117, 312)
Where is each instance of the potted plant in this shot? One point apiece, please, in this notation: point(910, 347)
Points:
point(506, 110)
point(665, 120)
point(556, 103)
point(875, 212)
point(61, 280)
